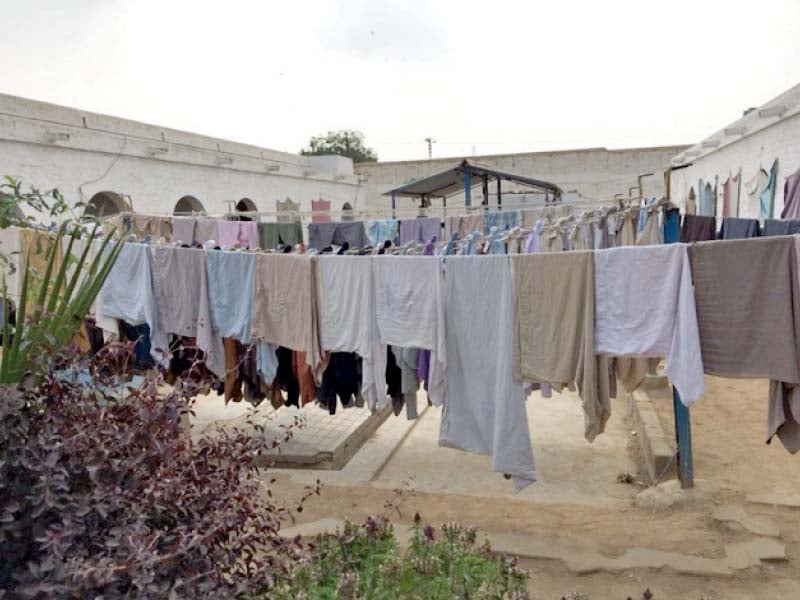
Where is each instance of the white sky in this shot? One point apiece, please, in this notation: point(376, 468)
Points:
point(483, 77)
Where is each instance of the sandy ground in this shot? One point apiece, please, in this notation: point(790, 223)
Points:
point(578, 497)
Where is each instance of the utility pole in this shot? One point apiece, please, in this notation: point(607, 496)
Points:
point(431, 142)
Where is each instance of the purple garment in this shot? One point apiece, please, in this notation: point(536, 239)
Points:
point(424, 356)
point(791, 197)
point(532, 242)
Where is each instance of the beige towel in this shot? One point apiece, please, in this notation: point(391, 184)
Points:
point(285, 310)
point(554, 329)
point(747, 297)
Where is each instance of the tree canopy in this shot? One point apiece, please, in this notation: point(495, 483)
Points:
point(345, 142)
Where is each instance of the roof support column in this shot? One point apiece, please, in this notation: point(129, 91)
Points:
point(499, 195)
point(467, 187)
point(393, 205)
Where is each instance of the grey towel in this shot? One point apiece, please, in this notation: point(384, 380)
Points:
point(747, 297)
point(321, 235)
point(781, 227)
point(735, 229)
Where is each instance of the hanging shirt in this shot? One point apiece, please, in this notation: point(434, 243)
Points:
point(485, 408)
point(751, 206)
point(272, 235)
point(206, 230)
point(707, 202)
point(464, 225)
point(348, 321)
point(419, 230)
point(767, 196)
point(645, 307)
point(180, 289)
point(791, 197)
point(408, 308)
point(672, 226)
point(230, 292)
point(651, 233)
point(554, 323)
point(321, 210)
point(285, 309)
point(127, 294)
point(381, 230)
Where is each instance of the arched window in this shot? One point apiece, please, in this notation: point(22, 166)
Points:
point(104, 204)
point(246, 205)
point(189, 205)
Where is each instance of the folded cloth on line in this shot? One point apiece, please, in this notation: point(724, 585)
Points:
point(698, 229)
point(409, 310)
point(285, 309)
point(238, 234)
point(736, 229)
point(180, 289)
point(747, 296)
point(555, 304)
point(485, 407)
point(381, 230)
point(321, 235)
point(781, 227)
point(645, 306)
point(348, 321)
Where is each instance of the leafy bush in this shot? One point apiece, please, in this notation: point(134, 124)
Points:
point(364, 561)
point(103, 493)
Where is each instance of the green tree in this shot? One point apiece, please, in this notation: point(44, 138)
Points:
point(345, 142)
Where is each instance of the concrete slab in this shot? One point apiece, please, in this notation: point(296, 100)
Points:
point(669, 495)
point(307, 437)
point(583, 558)
point(754, 524)
point(656, 446)
point(571, 470)
point(776, 499)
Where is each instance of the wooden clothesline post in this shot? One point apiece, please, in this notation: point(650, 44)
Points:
point(683, 435)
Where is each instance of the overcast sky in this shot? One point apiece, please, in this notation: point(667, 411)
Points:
point(479, 77)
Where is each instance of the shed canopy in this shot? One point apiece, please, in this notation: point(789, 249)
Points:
point(451, 181)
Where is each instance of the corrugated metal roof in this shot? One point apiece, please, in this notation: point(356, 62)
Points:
point(451, 181)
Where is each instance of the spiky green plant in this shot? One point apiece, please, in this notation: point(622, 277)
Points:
point(53, 305)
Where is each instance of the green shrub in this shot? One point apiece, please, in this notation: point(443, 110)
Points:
point(365, 562)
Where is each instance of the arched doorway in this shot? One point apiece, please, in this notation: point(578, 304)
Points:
point(247, 206)
point(188, 205)
point(104, 204)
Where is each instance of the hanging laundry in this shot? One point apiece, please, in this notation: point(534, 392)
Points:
point(746, 292)
point(273, 235)
point(127, 295)
point(288, 211)
point(627, 232)
point(321, 235)
point(155, 227)
point(707, 203)
point(776, 227)
point(735, 229)
point(406, 360)
point(791, 197)
point(652, 232)
point(342, 380)
point(533, 241)
point(285, 309)
point(408, 309)
point(348, 321)
point(645, 307)
point(285, 377)
point(183, 229)
point(751, 205)
point(767, 196)
point(305, 377)
point(730, 195)
point(321, 210)
point(485, 408)
point(691, 203)
point(205, 230)
point(698, 229)
point(230, 292)
point(672, 226)
point(555, 302)
point(464, 225)
point(238, 234)
point(381, 230)
point(180, 291)
point(419, 230)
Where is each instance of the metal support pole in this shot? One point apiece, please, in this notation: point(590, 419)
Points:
point(486, 190)
point(467, 187)
point(393, 205)
point(683, 434)
point(499, 195)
